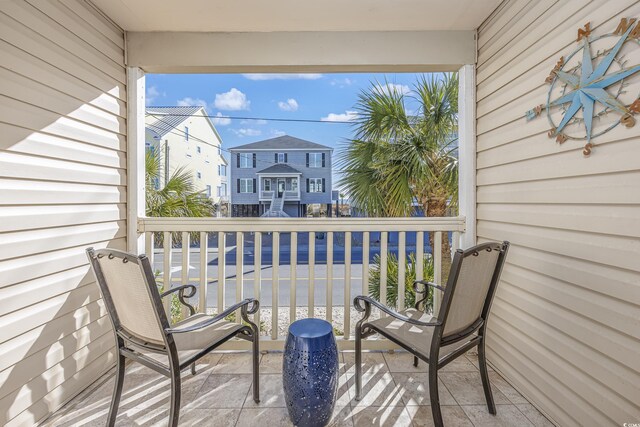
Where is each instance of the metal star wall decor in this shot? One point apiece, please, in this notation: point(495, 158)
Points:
point(591, 84)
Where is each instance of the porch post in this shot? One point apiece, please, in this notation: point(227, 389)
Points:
point(467, 152)
point(135, 157)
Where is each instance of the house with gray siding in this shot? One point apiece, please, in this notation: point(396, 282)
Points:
point(280, 177)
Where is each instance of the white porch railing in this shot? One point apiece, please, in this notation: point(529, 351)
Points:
point(291, 252)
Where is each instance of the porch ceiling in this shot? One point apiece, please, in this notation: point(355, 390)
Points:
point(296, 15)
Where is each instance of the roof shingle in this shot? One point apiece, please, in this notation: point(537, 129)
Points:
point(284, 142)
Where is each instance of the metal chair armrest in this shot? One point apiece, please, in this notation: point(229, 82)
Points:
point(182, 295)
point(255, 305)
point(368, 302)
point(426, 283)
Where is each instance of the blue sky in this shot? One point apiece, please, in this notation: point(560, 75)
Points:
point(326, 97)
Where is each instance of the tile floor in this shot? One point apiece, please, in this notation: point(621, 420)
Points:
point(394, 394)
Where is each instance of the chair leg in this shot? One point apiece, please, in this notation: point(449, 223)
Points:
point(256, 366)
point(174, 410)
point(415, 361)
point(358, 362)
point(433, 394)
point(482, 366)
point(117, 391)
point(193, 368)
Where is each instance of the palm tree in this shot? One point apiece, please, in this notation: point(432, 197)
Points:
point(397, 158)
point(177, 198)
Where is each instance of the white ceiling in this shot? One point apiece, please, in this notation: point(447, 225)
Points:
point(297, 15)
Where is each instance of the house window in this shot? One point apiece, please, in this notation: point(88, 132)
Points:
point(246, 185)
point(315, 185)
point(199, 150)
point(294, 184)
point(267, 184)
point(281, 157)
point(208, 191)
point(222, 170)
point(315, 160)
point(199, 175)
point(186, 133)
point(246, 160)
point(222, 190)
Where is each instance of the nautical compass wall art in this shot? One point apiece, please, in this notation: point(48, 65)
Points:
point(588, 94)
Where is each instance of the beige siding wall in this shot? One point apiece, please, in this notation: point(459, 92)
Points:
point(62, 189)
point(565, 327)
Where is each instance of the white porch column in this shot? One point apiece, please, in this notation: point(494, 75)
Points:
point(467, 152)
point(135, 157)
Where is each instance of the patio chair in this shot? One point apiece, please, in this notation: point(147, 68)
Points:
point(143, 332)
point(460, 325)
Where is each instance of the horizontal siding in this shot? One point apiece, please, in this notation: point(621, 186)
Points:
point(62, 189)
point(565, 325)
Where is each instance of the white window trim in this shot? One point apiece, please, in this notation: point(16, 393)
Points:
point(248, 185)
point(313, 164)
point(249, 160)
point(317, 185)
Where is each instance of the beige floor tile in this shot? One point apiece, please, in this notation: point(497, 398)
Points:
point(512, 394)
point(372, 362)
point(461, 364)
point(414, 389)
point(342, 417)
point(271, 363)
point(466, 388)
point(234, 363)
point(385, 416)
point(223, 391)
point(452, 416)
point(533, 415)
point(159, 417)
point(267, 417)
point(159, 394)
point(506, 416)
point(271, 393)
point(473, 359)
point(378, 389)
point(402, 361)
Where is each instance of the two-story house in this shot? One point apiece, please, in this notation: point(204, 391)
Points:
point(187, 137)
point(283, 176)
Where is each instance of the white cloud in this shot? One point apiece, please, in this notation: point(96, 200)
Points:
point(152, 94)
point(247, 132)
point(276, 133)
point(342, 82)
point(192, 102)
point(307, 76)
point(254, 122)
point(393, 87)
point(221, 121)
point(288, 105)
point(232, 100)
point(347, 116)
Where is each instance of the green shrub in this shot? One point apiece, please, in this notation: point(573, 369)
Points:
point(392, 280)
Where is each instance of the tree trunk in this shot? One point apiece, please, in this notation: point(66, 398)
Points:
point(437, 207)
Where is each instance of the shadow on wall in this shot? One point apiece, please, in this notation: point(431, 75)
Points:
point(62, 189)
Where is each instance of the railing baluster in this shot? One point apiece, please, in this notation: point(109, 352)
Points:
point(455, 242)
point(365, 263)
point(292, 282)
point(437, 270)
point(275, 269)
point(257, 271)
point(329, 304)
point(347, 284)
point(204, 244)
point(166, 270)
point(148, 247)
point(312, 273)
point(402, 261)
point(419, 267)
point(383, 268)
point(239, 271)
point(222, 245)
point(186, 243)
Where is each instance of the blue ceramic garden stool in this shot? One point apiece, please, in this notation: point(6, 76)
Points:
point(310, 372)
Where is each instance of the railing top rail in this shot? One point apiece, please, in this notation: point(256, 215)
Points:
point(149, 224)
